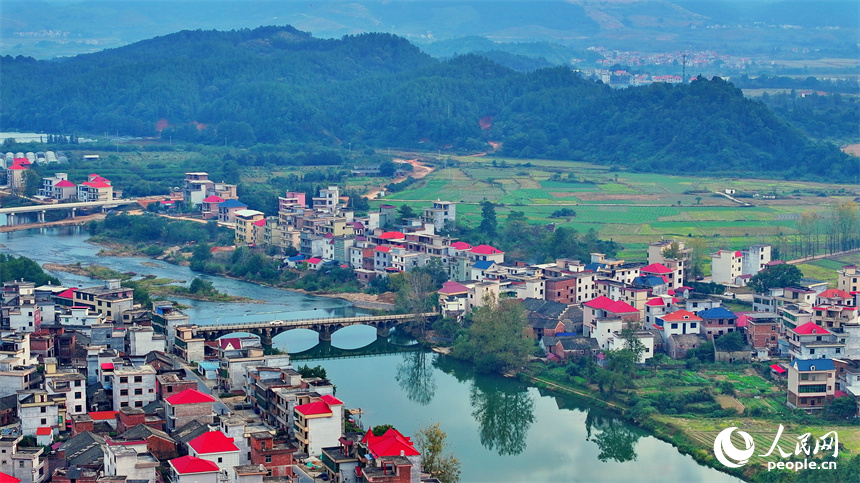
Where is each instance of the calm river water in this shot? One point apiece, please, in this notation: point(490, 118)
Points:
point(501, 430)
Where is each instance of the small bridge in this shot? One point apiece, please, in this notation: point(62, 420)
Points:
point(325, 327)
point(72, 207)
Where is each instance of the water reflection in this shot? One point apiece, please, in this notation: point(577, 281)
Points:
point(504, 411)
point(415, 377)
point(615, 439)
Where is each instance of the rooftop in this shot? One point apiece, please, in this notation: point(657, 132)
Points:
point(189, 464)
point(212, 442)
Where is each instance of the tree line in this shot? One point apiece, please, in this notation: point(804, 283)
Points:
point(276, 85)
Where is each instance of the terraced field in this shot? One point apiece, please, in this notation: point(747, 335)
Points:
point(631, 208)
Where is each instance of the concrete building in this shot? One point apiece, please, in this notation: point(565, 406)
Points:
point(24, 464)
point(133, 386)
point(130, 459)
point(227, 211)
point(246, 229)
point(111, 299)
point(318, 424)
point(441, 214)
point(165, 318)
point(186, 406)
point(195, 187)
point(848, 279)
point(811, 383)
point(38, 409)
point(217, 448)
point(189, 469)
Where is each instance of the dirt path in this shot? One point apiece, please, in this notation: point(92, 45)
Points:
point(418, 171)
point(578, 392)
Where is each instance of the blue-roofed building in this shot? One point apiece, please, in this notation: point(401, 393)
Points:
point(811, 383)
point(227, 209)
point(479, 269)
point(717, 321)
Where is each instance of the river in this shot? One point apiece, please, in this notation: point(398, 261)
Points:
point(500, 429)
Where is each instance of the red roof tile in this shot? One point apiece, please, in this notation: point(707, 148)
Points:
point(392, 235)
point(314, 260)
point(68, 294)
point(64, 184)
point(4, 478)
point(609, 305)
point(485, 250)
point(102, 415)
point(331, 400)
point(190, 396)
point(16, 167)
point(213, 199)
point(460, 245)
point(810, 328)
point(655, 268)
point(392, 443)
point(107, 366)
point(316, 408)
point(212, 442)
point(453, 288)
point(43, 431)
point(96, 184)
point(681, 316)
point(20, 161)
point(189, 464)
point(656, 302)
point(383, 249)
point(833, 293)
point(230, 342)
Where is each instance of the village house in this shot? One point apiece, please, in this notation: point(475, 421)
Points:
point(717, 321)
point(24, 464)
point(811, 383)
point(811, 341)
point(189, 469)
point(318, 424)
point(214, 446)
point(188, 405)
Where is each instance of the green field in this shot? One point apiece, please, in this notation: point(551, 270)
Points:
point(631, 208)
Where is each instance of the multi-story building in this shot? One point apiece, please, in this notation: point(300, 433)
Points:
point(131, 460)
point(572, 287)
point(717, 321)
point(96, 188)
point(763, 331)
point(227, 211)
point(189, 469)
point(69, 383)
point(835, 308)
point(249, 223)
point(726, 266)
point(318, 424)
point(811, 383)
point(111, 299)
point(38, 409)
point(24, 464)
point(133, 386)
point(214, 446)
point(196, 187)
point(165, 318)
point(606, 308)
point(441, 214)
point(848, 279)
point(189, 405)
point(276, 455)
point(811, 341)
point(328, 200)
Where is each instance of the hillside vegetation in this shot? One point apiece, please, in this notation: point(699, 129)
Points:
point(277, 85)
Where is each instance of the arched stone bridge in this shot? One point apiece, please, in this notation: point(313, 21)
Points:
point(325, 327)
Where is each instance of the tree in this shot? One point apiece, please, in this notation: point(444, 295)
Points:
point(673, 250)
point(499, 338)
point(489, 224)
point(699, 254)
point(380, 429)
point(843, 407)
point(431, 441)
point(783, 275)
point(32, 182)
point(731, 342)
point(316, 371)
point(404, 212)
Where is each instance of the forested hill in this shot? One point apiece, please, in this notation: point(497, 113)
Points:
point(276, 84)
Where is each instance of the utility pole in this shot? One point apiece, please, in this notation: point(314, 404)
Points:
point(684, 71)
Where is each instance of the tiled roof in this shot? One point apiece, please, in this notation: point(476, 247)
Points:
point(16, 167)
point(43, 431)
point(331, 400)
point(4, 478)
point(834, 292)
point(102, 415)
point(190, 396)
point(64, 184)
point(485, 250)
point(483, 264)
point(805, 365)
point(213, 199)
point(189, 464)
point(314, 260)
point(655, 268)
point(656, 302)
point(96, 184)
point(681, 316)
point(227, 343)
point(392, 235)
point(810, 328)
point(453, 288)
point(212, 442)
point(460, 245)
point(716, 313)
point(232, 204)
point(609, 305)
point(316, 408)
point(392, 443)
point(383, 249)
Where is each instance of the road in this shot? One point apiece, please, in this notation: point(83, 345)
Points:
point(202, 386)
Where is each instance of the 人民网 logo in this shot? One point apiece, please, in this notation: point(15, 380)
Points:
point(726, 452)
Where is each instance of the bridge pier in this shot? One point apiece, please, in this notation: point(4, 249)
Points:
point(266, 338)
point(40, 216)
point(382, 330)
point(325, 333)
point(10, 219)
point(73, 213)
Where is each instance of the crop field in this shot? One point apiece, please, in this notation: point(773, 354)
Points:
point(631, 208)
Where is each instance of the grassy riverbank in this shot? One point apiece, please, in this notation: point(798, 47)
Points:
point(161, 287)
point(721, 396)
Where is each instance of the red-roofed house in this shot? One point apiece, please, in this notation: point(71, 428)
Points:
point(96, 189)
point(214, 446)
point(679, 322)
point(392, 235)
point(487, 253)
point(605, 308)
point(460, 246)
point(834, 308)
point(657, 307)
point(453, 299)
point(811, 341)
point(189, 469)
point(4, 478)
point(186, 406)
point(15, 177)
point(674, 275)
point(318, 424)
point(314, 263)
point(388, 454)
point(209, 206)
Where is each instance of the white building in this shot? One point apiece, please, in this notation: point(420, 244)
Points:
point(441, 214)
point(37, 409)
point(318, 424)
point(140, 341)
point(189, 469)
point(214, 446)
point(24, 464)
point(131, 460)
point(133, 386)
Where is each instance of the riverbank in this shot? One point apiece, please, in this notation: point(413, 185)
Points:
point(161, 287)
point(693, 431)
point(79, 221)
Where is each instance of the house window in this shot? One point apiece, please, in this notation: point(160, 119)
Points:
point(123, 392)
point(44, 421)
point(43, 409)
point(78, 383)
point(77, 395)
point(123, 380)
point(138, 378)
point(674, 326)
point(20, 464)
point(138, 404)
point(78, 408)
point(138, 391)
point(268, 458)
point(220, 460)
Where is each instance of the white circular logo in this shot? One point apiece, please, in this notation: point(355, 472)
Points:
point(725, 451)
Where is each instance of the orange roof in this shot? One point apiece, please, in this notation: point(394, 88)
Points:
point(681, 316)
point(834, 292)
point(43, 431)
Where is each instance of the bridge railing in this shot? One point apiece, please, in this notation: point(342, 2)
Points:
point(312, 321)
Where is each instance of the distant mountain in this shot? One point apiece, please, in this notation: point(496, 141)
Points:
point(281, 85)
point(48, 28)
